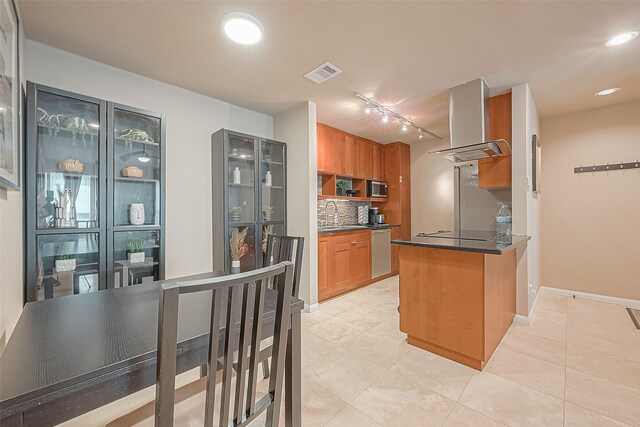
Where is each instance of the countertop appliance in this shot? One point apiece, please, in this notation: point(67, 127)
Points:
point(380, 252)
point(469, 124)
point(377, 189)
point(375, 217)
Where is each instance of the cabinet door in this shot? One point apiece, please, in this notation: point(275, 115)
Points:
point(351, 155)
point(341, 259)
point(324, 264)
point(339, 152)
point(365, 159)
point(361, 261)
point(324, 149)
point(496, 172)
point(378, 162)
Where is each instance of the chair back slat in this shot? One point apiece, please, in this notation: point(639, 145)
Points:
point(286, 248)
point(258, 308)
point(212, 360)
point(244, 297)
point(244, 349)
point(227, 368)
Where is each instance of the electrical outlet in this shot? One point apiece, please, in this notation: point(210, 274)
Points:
point(533, 289)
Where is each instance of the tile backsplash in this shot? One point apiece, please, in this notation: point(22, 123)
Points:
point(347, 211)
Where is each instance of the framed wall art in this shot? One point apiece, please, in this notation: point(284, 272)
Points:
point(10, 97)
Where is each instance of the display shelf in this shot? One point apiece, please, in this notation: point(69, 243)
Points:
point(71, 132)
point(241, 185)
point(152, 143)
point(241, 159)
point(137, 180)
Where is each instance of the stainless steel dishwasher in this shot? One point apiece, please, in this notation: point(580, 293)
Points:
point(380, 252)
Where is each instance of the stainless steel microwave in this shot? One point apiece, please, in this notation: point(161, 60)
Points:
point(377, 189)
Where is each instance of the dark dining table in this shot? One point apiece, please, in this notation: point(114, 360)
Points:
point(70, 355)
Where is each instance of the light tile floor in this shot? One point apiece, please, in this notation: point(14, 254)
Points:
point(578, 364)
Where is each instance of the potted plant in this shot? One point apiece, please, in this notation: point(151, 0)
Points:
point(238, 248)
point(64, 261)
point(341, 188)
point(267, 211)
point(136, 251)
point(235, 212)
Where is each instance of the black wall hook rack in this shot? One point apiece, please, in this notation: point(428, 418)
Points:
point(607, 167)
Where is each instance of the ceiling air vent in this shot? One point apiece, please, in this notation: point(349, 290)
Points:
point(323, 73)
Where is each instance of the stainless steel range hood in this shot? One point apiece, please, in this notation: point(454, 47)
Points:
point(469, 124)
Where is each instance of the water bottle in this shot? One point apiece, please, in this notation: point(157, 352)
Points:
point(503, 220)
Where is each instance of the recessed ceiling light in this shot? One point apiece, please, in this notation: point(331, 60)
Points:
point(622, 38)
point(242, 27)
point(607, 91)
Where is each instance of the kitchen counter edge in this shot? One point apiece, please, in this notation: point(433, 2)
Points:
point(347, 229)
point(490, 248)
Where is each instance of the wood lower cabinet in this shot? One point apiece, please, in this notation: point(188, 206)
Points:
point(344, 262)
point(496, 172)
point(323, 264)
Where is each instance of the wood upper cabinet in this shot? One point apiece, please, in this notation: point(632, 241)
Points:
point(365, 158)
point(344, 154)
point(344, 262)
point(496, 172)
point(323, 264)
point(324, 148)
point(351, 155)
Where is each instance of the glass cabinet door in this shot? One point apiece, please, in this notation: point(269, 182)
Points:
point(136, 257)
point(241, 174)
point(67, 162)
point(136, 169)
point(67, 264)
point(242, 248)
point(272, 175)
point(267, 230)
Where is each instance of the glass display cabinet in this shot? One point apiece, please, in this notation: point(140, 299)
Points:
point(94, 185)
point(249, 198)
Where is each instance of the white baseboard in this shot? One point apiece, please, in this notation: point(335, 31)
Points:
point(522, 320)
point(632, 303)
point(526, 320)
point(311, 308)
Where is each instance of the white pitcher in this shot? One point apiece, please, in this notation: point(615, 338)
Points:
point(136, 214)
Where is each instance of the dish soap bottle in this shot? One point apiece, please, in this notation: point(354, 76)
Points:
point(236, 175)
point(503, 220)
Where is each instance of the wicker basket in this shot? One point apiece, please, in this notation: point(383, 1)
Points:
point(132, 172)
point(70, 165)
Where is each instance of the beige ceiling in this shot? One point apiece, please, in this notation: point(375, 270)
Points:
point(403, 54)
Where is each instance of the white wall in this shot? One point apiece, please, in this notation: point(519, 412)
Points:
point(191, 118)
point(11, 247)
point(297, 127)
point(526, 204)
point(591, 221)
point(432, 189)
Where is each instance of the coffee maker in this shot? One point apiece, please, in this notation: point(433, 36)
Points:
point(375, 217)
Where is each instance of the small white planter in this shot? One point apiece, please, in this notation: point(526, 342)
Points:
point(135, 257)
point(235, 266)
point(65, 265)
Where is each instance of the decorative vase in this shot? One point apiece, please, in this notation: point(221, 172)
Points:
point(235, 266)
point(235, 216)
point(136, 214)
point(135, 257)
point(65, 265)
point(267, 216)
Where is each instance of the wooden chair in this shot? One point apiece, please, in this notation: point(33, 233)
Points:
point(243, 295)
point(279, 249)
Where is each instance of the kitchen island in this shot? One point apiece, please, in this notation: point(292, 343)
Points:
point(458, 292)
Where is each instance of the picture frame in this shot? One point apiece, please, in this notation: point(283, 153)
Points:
point(536, 164)
point(10, 97)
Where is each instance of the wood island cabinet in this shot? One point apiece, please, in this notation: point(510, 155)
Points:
point(496, 172)
point(344, 262)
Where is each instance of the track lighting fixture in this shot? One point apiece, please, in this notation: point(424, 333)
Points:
point(386, 113)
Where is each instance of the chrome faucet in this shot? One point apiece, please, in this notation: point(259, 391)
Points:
point(336, 220)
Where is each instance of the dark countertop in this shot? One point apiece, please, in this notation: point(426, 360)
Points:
point(466, 240)
point(346, 228)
